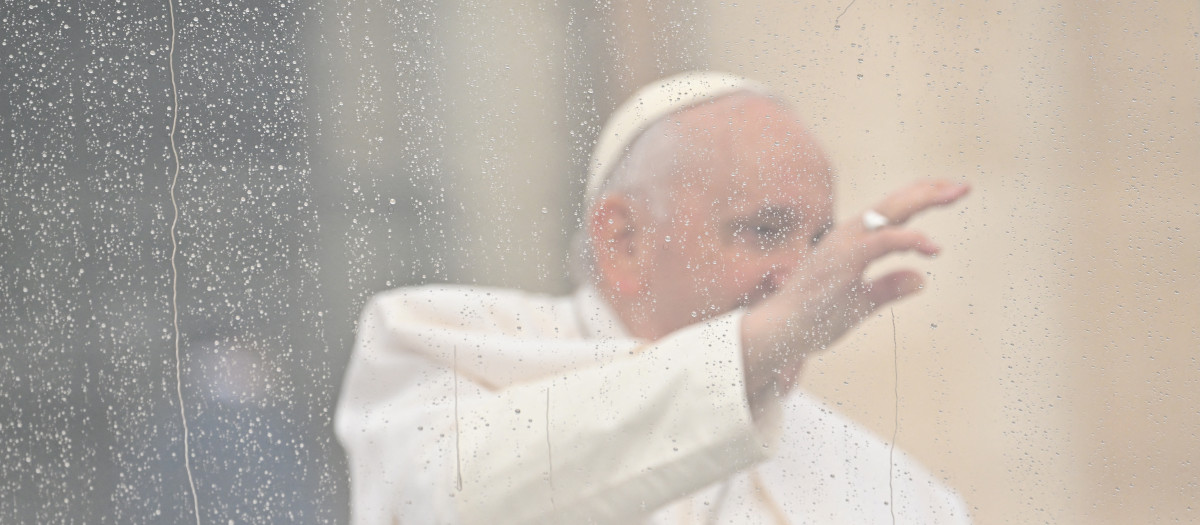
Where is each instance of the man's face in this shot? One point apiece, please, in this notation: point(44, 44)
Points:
point(753, 196)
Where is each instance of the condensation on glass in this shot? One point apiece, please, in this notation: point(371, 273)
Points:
point(329, 151)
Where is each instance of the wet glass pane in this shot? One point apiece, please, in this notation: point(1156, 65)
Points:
point(198, 199)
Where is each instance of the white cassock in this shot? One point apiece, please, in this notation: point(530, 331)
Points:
point(486, 406)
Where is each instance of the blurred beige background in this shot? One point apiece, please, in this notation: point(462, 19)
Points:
point(1050, 372)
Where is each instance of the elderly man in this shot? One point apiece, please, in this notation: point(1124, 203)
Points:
point(663, 391)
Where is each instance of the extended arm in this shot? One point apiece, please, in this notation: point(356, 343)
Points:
point(604, 443)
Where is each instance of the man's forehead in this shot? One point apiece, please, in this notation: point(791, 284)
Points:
point(747, 128)
point(743, 142)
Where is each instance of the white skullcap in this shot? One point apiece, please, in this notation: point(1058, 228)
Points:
point(649, 105)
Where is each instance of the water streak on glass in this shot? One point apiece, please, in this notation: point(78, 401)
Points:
point(187, 462)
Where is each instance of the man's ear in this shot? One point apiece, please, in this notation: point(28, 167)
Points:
point(614, 232)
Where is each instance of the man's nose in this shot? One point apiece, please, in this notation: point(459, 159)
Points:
point(782, 261)
point(779, 267)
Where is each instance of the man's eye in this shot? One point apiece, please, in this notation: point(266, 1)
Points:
point(820, 234)
point(761, 236)
point(767, 232)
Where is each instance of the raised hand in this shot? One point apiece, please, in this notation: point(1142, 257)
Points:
point(826, 295)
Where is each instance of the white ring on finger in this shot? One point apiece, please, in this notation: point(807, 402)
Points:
point(873, 220)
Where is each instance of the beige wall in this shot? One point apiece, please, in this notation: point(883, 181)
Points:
point(1133, 309)
point(1060, 382)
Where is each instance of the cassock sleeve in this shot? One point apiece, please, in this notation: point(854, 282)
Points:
point(429, 441)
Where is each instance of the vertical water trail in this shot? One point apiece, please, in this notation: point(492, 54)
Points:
point(836, 25)
point(457, 451)
point(895, 417)
point(549, 455)
point(187, 460)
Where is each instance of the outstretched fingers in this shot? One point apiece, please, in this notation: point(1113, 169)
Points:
point(880, 243)
point(906, 202)
point(853, 252)
point(875, 234)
